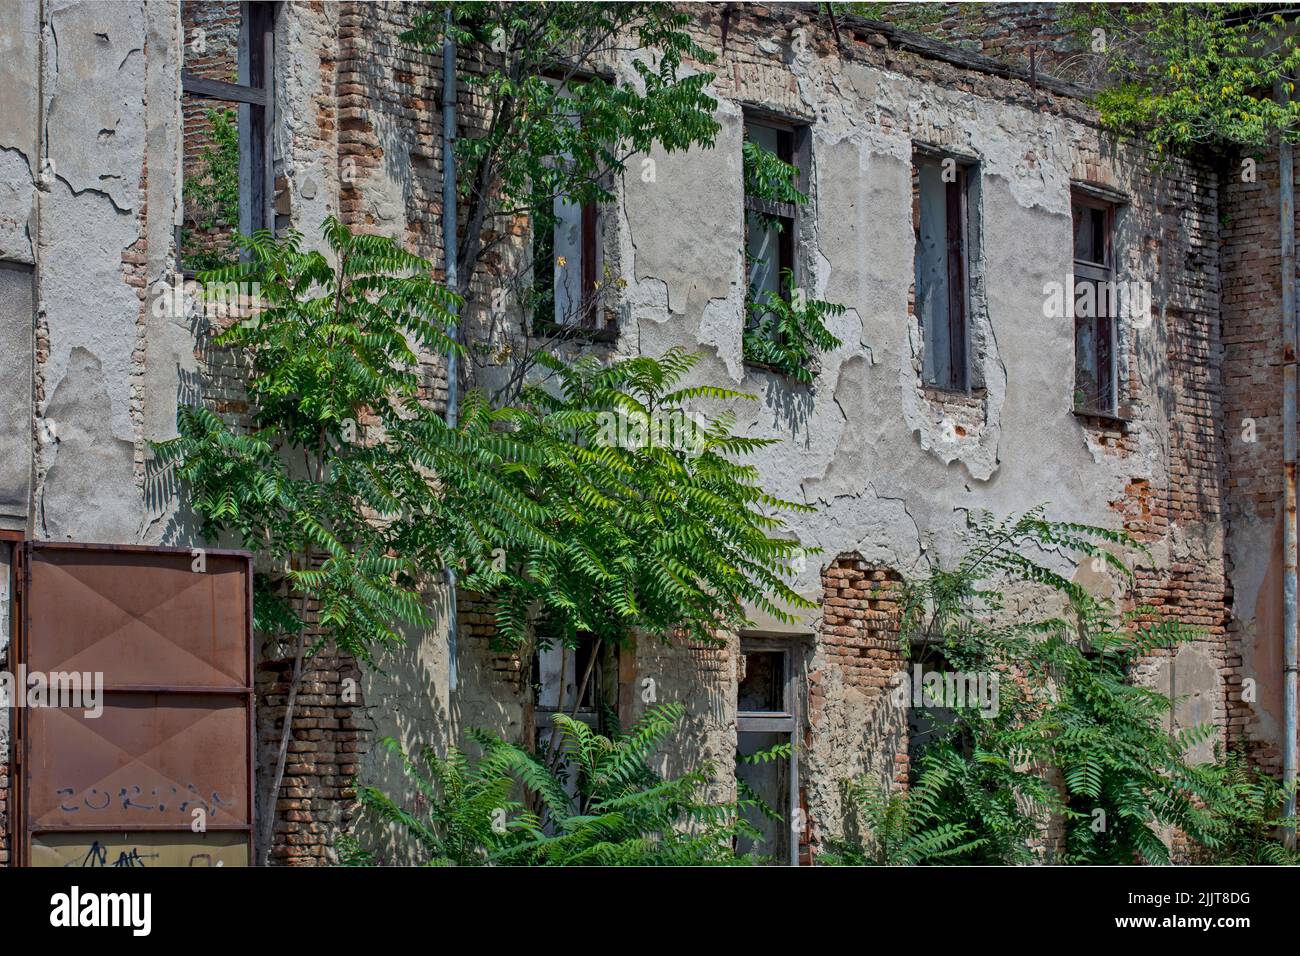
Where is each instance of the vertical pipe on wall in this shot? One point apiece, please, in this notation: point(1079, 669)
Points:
point(449, 254)
point(1286, 209)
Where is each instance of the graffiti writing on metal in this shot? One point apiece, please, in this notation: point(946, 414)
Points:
point(96, 799)
point(97, 855)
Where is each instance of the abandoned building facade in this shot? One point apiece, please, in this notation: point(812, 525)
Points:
point(953, 198)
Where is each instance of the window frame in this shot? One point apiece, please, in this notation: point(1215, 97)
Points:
point(588, 245)
point(957, 248)
point(256, 90)
point(794, 139)
point(785, 721)
point(1102, 273)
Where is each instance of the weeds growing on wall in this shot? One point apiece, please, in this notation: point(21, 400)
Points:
point(1076, 741)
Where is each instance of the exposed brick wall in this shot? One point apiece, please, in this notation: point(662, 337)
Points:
point(1253, 432)
point(317, 797)
point(852, 726)
point(1007, 32)
point(388, 97)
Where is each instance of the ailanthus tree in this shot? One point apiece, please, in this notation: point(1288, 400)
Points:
point(607, 807)
point(561, 127)
point(610, 508)
point(326, 488)
point(1072, 734)
point(570, 510)
point(1188, 75)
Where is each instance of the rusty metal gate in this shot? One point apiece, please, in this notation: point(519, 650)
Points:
point(163, 773)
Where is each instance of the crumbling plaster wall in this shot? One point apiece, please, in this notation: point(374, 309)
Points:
point(891, 474)
point(888, 479)
point(96, 153)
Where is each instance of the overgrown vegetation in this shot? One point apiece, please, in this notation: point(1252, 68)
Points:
point(334, 488)
point(211, 195)
point(1074, 738)
point(1190, 75)
point(354, 491)
point(784, 331)
point(592, 523)
point(602, 804)
point(564, 127)
point(788, 332)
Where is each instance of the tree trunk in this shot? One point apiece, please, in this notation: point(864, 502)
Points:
point(266, 826)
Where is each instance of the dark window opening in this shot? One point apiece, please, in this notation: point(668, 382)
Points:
point(227, 110)
point(1094, 308)
point(927, 721)
point(762, 688)
point(939, 219)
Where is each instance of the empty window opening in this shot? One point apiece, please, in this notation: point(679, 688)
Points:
point(226, 113)
point(1095, 334)
point(561, 674)
point(573, 681)
point(566, 252)
point(940, 219)
point(775, 163)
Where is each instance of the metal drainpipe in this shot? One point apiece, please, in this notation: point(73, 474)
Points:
point(450, 251)
point(1287, 212)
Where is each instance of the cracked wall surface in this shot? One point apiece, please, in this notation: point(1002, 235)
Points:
point(93, 369)
point(893, 468)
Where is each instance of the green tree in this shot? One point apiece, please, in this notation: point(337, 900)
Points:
point(634, 515)
point(575, 512)
point(560, 125)
point(1192, 75)
point(329, 488)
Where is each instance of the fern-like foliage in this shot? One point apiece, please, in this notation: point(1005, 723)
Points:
point(1074, 737)
point(572, 528)
point(604, 805)
point(787, 333)
point(326, 487)
point(899, 829)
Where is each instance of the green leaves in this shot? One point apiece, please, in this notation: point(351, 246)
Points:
point(788, 332)
point(605, 531)
point(785, 331)
point(564, 124)
point(327, 488)
point(1193, 74)
point(602, 806)
point(899, 831)
point(1074, 739)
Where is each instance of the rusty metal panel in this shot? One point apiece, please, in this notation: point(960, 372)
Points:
point(140, 618)
point(149, 759)
point(170, 742)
